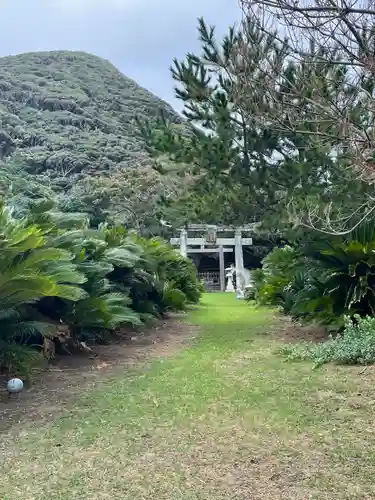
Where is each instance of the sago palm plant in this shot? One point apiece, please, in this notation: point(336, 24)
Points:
point(101, 255)
point(29, 271)
point(342, 280)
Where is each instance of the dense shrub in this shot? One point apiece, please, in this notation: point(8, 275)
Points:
point(276, 275)
point(322, 281)
point(355, 345)
point(347, 275)
point(30, 271)
point(338, 280)
point(172, 268)
point(55, 270)
point(174, 299)
point(160, 276)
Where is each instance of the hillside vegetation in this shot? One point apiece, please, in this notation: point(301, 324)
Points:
point(67, 126)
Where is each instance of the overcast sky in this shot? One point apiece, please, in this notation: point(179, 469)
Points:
point(140, 37)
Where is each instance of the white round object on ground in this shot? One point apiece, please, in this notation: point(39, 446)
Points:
point(14, 385)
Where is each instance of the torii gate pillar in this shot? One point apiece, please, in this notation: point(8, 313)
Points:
point(183, 242)
point(238, 256)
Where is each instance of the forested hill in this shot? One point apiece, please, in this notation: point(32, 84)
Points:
point(66, 119)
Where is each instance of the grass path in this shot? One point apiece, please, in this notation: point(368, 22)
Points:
point(226, 419)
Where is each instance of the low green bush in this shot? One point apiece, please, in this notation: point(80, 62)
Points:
point(322, 281)
point(174, 299)
point(354, 346)
point(253, 292)
point(277, 274)
point(337, 279)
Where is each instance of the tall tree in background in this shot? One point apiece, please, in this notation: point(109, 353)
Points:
point(228, 155)
point(241, 148)
point(327, 93)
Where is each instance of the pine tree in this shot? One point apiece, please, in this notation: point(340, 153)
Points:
point(327, 95)
point(226, 152)
point(246, 166)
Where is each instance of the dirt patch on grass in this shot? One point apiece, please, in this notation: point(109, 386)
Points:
point(222, 460)
point(67, 376)
point(288, 330)
point(230, 463)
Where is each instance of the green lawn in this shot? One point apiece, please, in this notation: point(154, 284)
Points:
point(226, 418)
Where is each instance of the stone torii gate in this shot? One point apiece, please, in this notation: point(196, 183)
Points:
point(213, 244)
